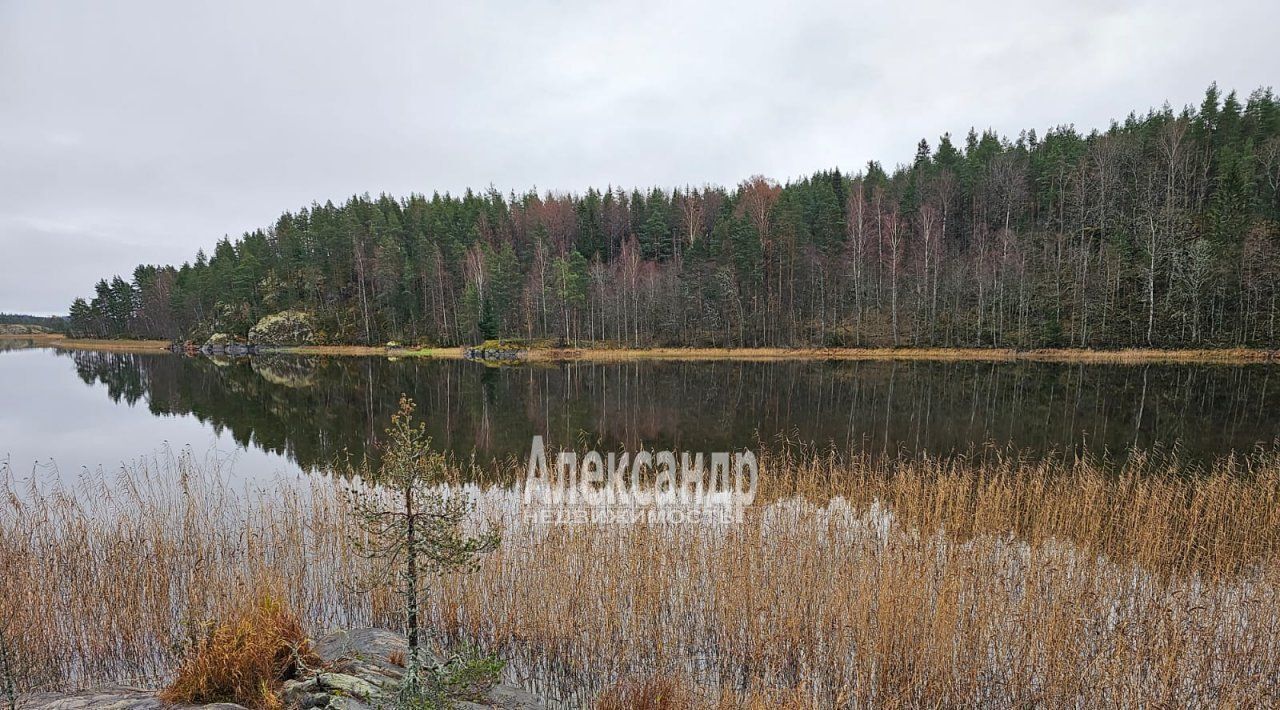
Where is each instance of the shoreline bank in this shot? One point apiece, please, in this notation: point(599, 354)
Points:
point(1062, 355)
point(104, 345)
point(1226, 356)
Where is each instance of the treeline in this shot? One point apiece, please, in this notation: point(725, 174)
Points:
point(55, 323)
point(1162, 230)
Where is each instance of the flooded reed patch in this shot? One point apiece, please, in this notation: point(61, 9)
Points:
point(999, 582)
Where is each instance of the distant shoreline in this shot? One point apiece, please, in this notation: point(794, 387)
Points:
point(103, 345)
point(598, 354)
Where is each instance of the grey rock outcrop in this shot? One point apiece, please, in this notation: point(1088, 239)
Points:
point(364, 668)
point(225, 344)
point(361, 669)
point(15, 329)
point(283, 328)
point(480, 352)
point(111, 697)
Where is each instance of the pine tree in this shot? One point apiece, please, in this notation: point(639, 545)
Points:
point(412, 523)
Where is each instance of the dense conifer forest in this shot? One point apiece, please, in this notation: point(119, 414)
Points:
point(1163, 229)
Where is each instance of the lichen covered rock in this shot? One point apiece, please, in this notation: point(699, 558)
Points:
point(283, 328)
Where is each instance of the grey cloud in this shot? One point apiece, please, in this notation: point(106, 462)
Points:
point(141, 131)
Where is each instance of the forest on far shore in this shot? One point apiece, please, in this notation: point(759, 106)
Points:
point(1163, 229)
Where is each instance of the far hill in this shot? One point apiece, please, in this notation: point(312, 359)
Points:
point(13, 329)
point(22, 324)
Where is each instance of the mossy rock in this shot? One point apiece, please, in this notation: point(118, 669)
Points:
point(219, 341)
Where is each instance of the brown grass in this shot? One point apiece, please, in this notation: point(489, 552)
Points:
point(1134, 356)
point(364, 350)
point(243, 659)
point(992, 582)
point(654, 692)
point(118, 346)
point(1071, 355)
point(1127, 592)
point(1153, 510)
point(1126, 356)
point(647, 693)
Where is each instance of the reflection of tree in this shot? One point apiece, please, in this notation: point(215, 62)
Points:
point(119, 372)
point(315, 409)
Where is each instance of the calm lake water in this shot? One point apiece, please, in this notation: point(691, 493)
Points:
point(285, 414)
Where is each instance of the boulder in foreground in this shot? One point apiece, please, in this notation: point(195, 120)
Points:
point(361, 669)
point(110, 697)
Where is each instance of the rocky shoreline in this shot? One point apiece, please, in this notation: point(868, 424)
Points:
point(481, 352)
point(361, 669)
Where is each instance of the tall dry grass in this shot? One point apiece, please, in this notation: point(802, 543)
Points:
point(993, 581)
point(1153, 509)
point(114, 576)
point(244, 659)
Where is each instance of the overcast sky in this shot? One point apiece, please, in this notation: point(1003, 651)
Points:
point(141, 131)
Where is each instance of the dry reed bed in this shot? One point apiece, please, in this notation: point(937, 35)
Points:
point(998, 582)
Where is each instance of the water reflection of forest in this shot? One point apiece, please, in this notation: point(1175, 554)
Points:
point(314, 409)
point(9, 344)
